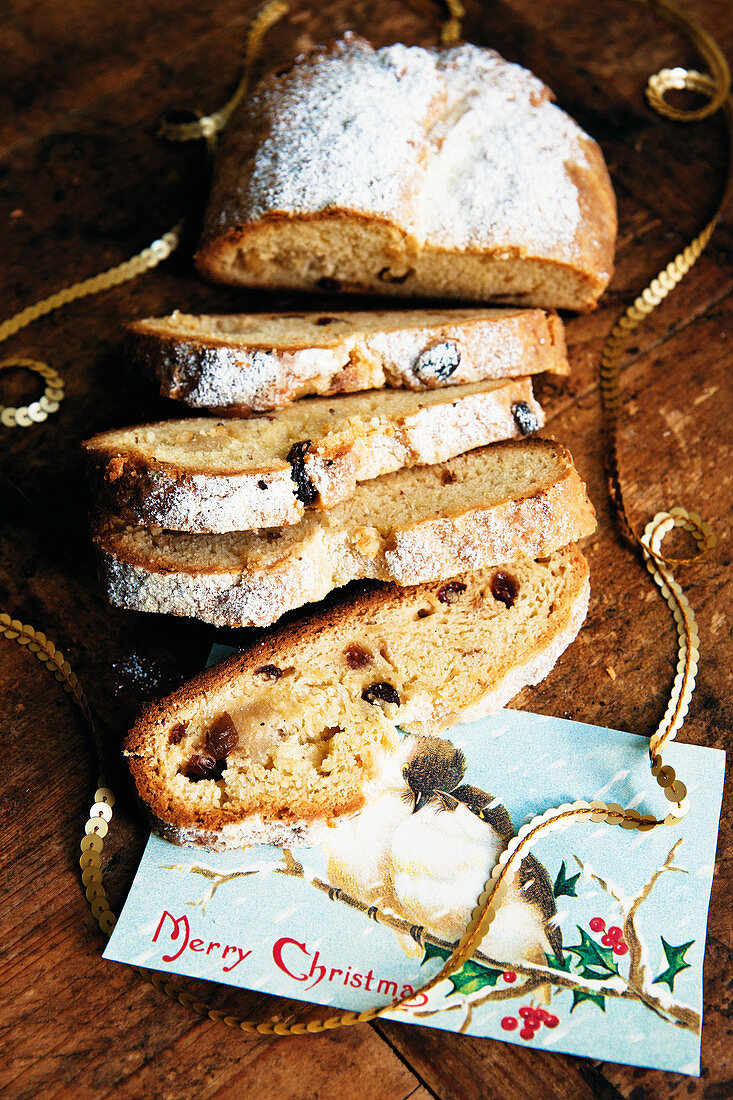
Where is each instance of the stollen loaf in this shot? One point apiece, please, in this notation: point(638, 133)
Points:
point(414, 172)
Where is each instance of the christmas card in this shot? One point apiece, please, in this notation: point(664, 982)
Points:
point(597, 949)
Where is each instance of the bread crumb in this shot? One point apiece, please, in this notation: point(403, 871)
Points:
point(611, 672)
point(366, 541)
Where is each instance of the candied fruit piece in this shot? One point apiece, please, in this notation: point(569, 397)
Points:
point(438, 362)
point(269, 672)
point(356, 656)
point(176, 732)
point(524, 418)
point(305, 489)
point(387, 276)
point(201, 766)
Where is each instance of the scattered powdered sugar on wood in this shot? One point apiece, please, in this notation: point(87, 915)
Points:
point(140, 676)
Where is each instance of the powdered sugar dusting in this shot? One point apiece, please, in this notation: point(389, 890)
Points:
point(338, 137)
point(458, 147)
point(499, 128)
point(253, 829)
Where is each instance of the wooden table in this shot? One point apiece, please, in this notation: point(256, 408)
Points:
point(85, 184)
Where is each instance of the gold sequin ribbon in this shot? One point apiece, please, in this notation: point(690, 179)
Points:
point(208, 128)
point(715, 84)
point(38, 411)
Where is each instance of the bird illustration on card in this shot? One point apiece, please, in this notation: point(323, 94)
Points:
point(415, 859)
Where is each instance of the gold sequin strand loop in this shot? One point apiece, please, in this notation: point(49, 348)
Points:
point(207, 128)
point(452, 30)
point(715, 85)
point(210, 126)
point(37, 411)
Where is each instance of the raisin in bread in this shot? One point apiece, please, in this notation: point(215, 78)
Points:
point(210, 476)
point(443, 172)
point(494, 504)
point(276, 743)
point(256, 362)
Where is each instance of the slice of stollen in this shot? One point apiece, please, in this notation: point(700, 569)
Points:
point(508, 500)
point(261, 361)
point(210, 476)
point(276, 743)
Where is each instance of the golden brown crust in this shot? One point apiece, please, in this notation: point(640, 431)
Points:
point(596, 234)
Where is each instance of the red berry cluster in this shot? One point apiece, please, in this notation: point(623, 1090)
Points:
point(614, 937)
point(532, 1018)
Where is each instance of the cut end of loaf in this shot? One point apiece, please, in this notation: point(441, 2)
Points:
point(273, 745)
point(410, 172)
point(347, 254)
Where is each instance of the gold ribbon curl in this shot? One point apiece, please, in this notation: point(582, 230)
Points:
point(715, 84)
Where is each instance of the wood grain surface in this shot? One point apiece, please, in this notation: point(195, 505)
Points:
point(85, 183)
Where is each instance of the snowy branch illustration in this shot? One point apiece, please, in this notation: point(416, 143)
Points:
point(590, 984)
point(637, 984)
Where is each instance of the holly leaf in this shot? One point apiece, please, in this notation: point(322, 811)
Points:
point(564, 885)
point(470, 978)
point(593, 957)
point(580, 995)
point(595, 975)
point(675, 957)
point(432, 951)
point(554, 962)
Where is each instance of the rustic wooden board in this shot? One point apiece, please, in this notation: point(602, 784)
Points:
point(84, 184)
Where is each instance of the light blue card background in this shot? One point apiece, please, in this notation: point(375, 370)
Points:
point(530, 762)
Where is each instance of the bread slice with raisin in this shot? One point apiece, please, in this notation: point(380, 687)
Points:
point(213, 476)
point(519, 498)
point(256, 362)
point(276, 743)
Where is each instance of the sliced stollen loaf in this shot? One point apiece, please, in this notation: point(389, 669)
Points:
point(256, 362)
point(214, 476)
point(508, 500)
point(274, 744)
point(444, 172)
